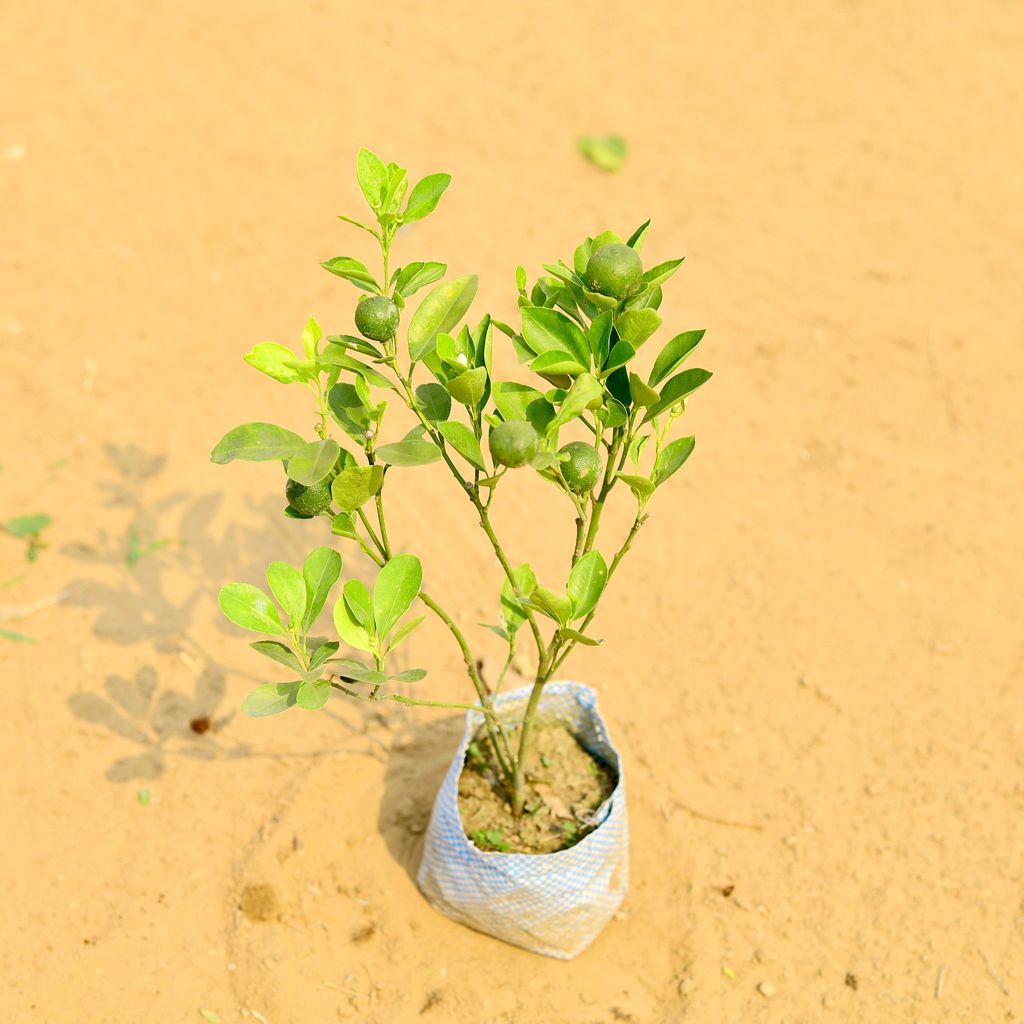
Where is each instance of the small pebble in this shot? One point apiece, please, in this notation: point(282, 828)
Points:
point(767, 989)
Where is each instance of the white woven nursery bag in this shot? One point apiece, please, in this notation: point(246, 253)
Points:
point(552, 903)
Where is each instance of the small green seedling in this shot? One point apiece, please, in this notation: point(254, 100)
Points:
point(490, 839)
point(29, 529)
point(137, 551)
point(608, 152)
point(586, 419)
point(13, 634)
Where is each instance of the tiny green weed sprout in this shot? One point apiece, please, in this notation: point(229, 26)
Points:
point(29, 529)
point(585, 418)
point(608, 152)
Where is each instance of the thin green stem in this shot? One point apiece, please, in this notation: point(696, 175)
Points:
point(619, 555)
point(504, 757)
point(473, 495)
point(526, 729)
point(373, 536)
point(385, 542)
point(488, 713)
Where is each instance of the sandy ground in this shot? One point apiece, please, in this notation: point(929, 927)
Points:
point(814, 658)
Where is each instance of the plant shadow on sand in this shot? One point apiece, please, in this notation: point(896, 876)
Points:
point(420, 755)
point(147, 586)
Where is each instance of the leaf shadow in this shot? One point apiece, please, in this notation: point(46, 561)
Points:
point(154, 601)
point(419, 757)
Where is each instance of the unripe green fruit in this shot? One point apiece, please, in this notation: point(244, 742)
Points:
point(615, 270)
point(582, 467)
point(377, 318)
point(308, 501)
point(513, 443)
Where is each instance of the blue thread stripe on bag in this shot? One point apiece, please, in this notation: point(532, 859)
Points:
point(553, 903)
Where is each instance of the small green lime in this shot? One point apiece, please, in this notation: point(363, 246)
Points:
point(513, 443)
point(308, 501)
point(580, 465)
point(615, 270)
point(377, 318)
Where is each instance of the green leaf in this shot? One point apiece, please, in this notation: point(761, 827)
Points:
point(288, 586)
point(617, 383)
point(586, 583)
point(438, 313)
point(673, 354)
point(354, 486)
point(511, 609)
point(349, 668)
point(367, 348)
point(671, 458)
point(349, 411)
point(313, 694)
point(417, 275)
point(425, 196)
point(320, 572)
point(575, 634)
point(335, 355)
point(553, 363)
point(394, 193)
point(311, 335)
point(343, 525)
point(372, 176)
point(403, 631)
point(679, 386)
point(278, 652)
point(464, 441)
point(613, 414)
point(256, 442)
point(636, 240)
point(410, 675)
point(646, 300)
point(353, 271)
point(435, 403)
point(468, 388)
point(585, 393)
point(350, 631)
point(635, 326)
point(620, 354)
point(639, 485)
point(548, 330)
point(413, 451)
point(313, 462)
point(606, 238)
point(321, 653)
point(555, 606)
point(599, 337)
point(520, 402)
point(658, 275)
point(26, 526)
point(605, 151)
point(397, 587)
point(247, 606)
point(640, 392)
point(359, 604)
point(272, 359)
point(270, 699)
point(581, 256)
point(456, 352)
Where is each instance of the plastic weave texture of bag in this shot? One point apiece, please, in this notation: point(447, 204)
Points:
point(552, 903)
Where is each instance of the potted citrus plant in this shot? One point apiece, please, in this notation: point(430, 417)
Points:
point(528, 838)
